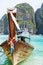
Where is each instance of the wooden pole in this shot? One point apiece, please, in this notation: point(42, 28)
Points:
point(12, 27)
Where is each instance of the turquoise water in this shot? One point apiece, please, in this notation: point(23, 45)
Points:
point(36, 58)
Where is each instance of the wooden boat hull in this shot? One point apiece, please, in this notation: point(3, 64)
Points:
point(21, 51)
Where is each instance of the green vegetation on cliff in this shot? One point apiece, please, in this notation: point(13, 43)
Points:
point(25, 13)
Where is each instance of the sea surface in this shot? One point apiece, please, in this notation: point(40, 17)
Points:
point(36, 57)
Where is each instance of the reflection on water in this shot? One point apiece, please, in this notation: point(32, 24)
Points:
point(36, 58)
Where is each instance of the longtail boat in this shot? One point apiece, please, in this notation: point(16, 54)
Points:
point(22, 49)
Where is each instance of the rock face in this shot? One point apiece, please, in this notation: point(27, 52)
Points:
point(39, 20)
point(25, 17)
point(25, 13)
point(1, 27)
point(4, 21)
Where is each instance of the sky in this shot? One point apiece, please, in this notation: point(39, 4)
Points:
point(4, 4)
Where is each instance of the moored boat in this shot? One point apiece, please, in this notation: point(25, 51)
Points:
point(21, 49)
